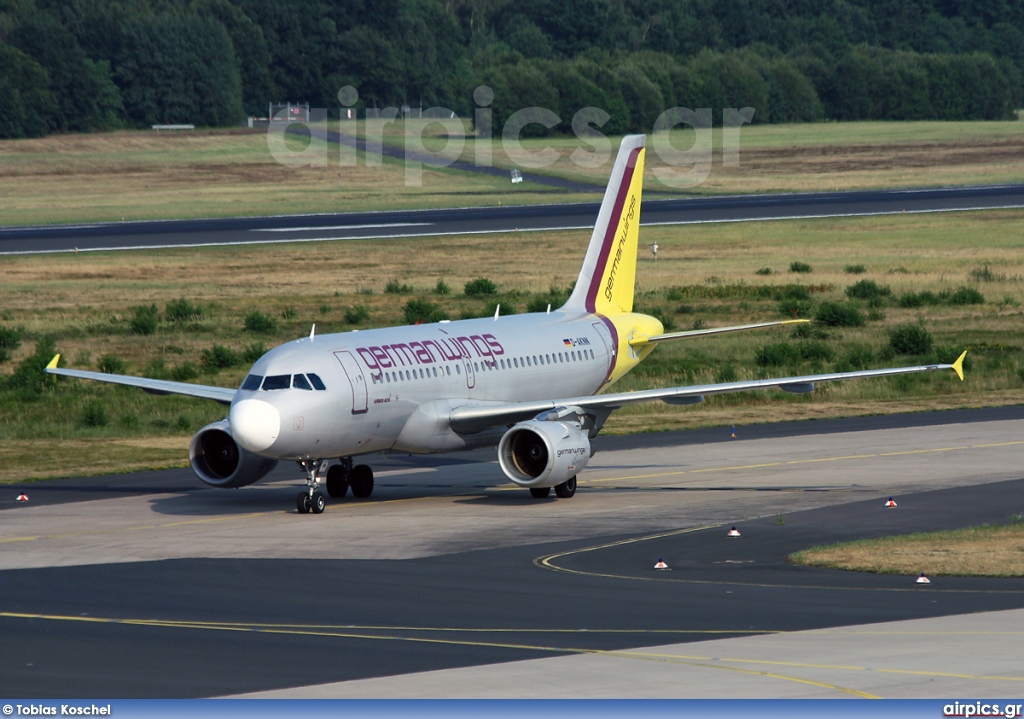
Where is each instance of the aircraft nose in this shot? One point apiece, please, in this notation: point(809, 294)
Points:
point(255, 424)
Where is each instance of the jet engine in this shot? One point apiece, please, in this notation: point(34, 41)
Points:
point(218, 460)
point(543, 453)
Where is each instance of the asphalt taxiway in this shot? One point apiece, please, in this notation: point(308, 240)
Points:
point(451, 583)
point(501, 219)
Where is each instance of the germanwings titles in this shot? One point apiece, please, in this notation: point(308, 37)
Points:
point(533, 384)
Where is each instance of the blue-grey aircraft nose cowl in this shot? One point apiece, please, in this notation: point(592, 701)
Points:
point(255, 424)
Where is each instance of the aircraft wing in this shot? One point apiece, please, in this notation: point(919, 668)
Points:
point(153, 386)
point(469, 419)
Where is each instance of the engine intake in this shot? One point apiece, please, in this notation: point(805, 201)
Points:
point(543, 453)
point(219, 462)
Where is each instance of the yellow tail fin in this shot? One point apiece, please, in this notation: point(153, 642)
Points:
point(607, 279)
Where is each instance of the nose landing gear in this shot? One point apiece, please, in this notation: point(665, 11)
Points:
point(312, 499)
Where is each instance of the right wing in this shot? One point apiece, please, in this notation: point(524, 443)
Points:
point(153, 386)
point(469, 419)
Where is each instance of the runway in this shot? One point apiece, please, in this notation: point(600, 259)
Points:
point(452, 583)
point(484, 220)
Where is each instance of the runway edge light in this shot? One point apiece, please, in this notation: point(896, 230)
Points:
point(661, 564)
point(923, 579)
point(733, 533)
point(890, 504)
point(22, 498)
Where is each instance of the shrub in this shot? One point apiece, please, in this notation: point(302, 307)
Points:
point(219, 357)
point(816, 350)
point(94, 414)
point(325, 309)
point(808, 332)
point(419, 311)
point(184, 372)
point(985, 274)
point(910, 340)
point(763, 271)
point(777, 355)
point(799, 267)
point(10, 338)
point(357, 315)
point(839, 314)
point(30, 374)
point(859, 357)
point(253, 352)
point(111, 364)
point(668, 322)
point(144, 319)
point(867, 290)
point(480, 287)
point(257, 321)
point(181, 310)
point(289, 313)
point(726, 373)
point(964, 296)
point(394, 287)
point(183, 423)
point(537, 304)
point(855, 269)
point(442, 288)
point(507, 308)
point(795, 308)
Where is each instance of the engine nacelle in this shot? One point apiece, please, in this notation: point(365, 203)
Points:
point(540, 453)
point(218, 460)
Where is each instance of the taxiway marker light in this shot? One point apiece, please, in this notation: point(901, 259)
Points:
point(661, 564)
point(733, 533)
point(22, 497)
point(734, 431)
point(923, 579)
point(890, 504)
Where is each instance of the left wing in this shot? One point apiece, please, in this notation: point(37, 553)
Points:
point(153, 386)
point(469, 419)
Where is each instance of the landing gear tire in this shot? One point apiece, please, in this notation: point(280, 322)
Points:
point(337, 481)
point(360, 479)
point(303, 503)
point(540, 492)
point(566, 489)
point(317, 503)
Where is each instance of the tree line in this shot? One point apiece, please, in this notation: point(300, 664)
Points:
point(100, 64)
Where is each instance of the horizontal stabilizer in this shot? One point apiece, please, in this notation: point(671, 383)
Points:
point(640, 340)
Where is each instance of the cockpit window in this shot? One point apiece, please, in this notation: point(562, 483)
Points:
point(299, 382)
point(252, 382)
point(316, 381)
point(277, 381)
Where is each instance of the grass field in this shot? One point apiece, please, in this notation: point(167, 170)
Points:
point(141, 175)
point(988, 551)
point(705, 275)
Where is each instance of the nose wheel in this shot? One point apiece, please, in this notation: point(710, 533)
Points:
point(312, 499)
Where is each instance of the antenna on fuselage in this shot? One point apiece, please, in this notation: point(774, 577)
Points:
point(549, 308)
point(312, 332)
point(496, 311)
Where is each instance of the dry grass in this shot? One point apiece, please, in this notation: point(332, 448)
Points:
point(978, 551)
point(19, 461)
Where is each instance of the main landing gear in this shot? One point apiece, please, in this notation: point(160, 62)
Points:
point(340, 477)
point(563, 491)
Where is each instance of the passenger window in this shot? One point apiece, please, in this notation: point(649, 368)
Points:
point(448, 371)
point(278, 381)
point(316, 382)
point(458, 370)
point(252, 382)
point(299, 382)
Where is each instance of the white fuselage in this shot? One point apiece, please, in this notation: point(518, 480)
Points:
point(395, 388)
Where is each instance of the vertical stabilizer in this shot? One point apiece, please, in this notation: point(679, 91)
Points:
point(605, 285)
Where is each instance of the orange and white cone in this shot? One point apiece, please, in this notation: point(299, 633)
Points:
point(22, 498)
point(890, 504)
point(661, 564)
point(923, 579)
point(733, 533)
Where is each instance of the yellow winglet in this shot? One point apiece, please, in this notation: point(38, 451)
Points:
point(958, 366)
point(53, 362)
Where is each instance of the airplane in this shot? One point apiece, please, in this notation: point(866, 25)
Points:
point(530, 384)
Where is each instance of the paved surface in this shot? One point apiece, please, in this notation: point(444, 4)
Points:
point(479, 220)
point(449, 583)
